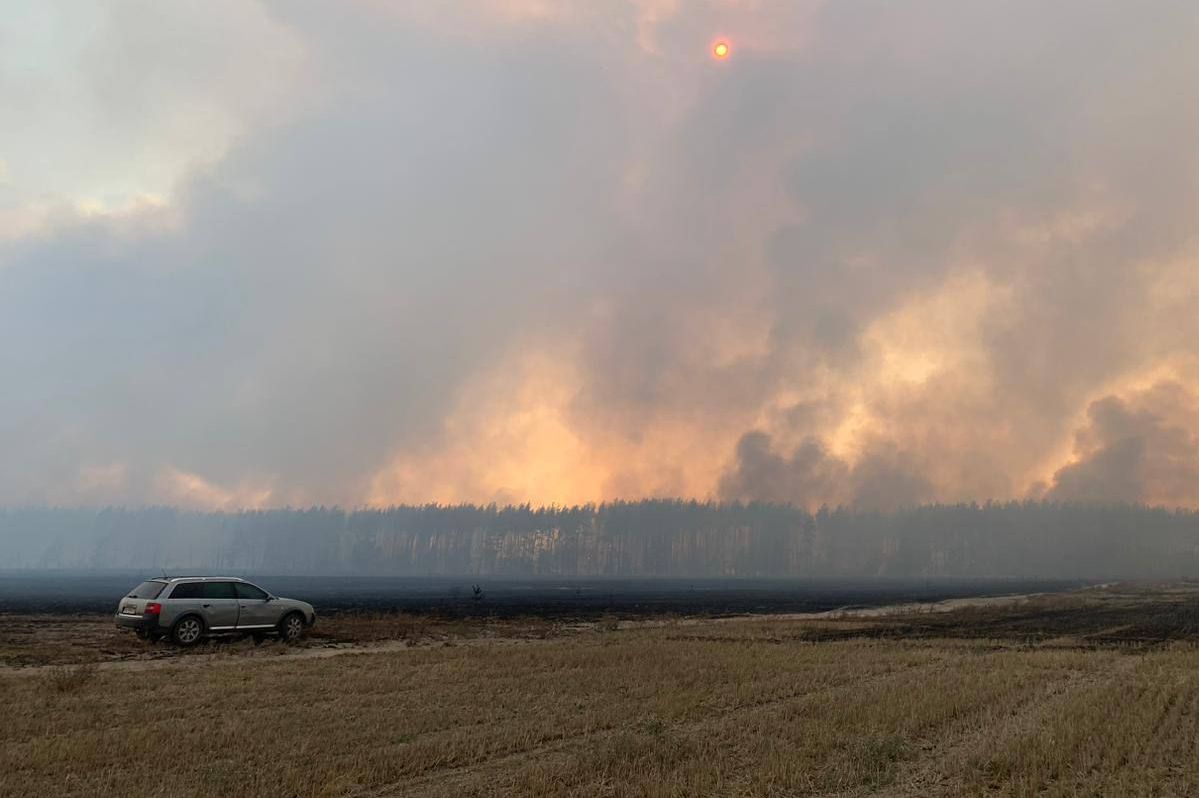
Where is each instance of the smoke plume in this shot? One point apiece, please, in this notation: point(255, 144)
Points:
point(265, 254)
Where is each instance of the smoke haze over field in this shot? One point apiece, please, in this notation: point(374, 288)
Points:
point(261, 254)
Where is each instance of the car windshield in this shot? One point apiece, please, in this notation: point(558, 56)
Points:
point(147, 590)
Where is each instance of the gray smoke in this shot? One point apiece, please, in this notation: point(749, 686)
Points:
point(883, 255)
point(1135, 452)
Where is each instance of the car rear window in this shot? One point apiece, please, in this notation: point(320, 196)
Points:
point(147, 590)
point(187, 590)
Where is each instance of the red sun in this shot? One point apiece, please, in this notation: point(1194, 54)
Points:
point(721, 50)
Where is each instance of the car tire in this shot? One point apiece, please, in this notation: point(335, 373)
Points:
point(187, 631)
point(291, 627)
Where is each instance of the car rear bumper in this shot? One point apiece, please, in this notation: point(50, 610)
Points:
point(138, 623)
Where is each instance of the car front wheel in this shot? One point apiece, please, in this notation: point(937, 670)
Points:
point(291, 627)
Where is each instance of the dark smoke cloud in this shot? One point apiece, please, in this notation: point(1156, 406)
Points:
point(1134, 452)
point(810, 476)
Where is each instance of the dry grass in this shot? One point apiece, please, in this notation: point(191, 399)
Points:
point(68, 678)
point(373, 627)
point(756, 707)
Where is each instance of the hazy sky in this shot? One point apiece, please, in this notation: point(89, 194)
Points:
point(255, 254)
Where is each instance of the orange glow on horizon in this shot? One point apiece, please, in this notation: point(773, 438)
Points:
point(720, 50)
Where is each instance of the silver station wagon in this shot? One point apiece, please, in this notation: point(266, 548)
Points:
point(189, 608)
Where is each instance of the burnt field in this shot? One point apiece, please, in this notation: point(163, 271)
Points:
point(1137, 615)
point(91, 592)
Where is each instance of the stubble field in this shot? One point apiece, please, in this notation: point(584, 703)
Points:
point(1087, 693)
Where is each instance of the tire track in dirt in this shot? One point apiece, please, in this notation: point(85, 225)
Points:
point(311, 652)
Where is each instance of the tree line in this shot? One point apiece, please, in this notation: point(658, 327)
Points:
point(642, 538)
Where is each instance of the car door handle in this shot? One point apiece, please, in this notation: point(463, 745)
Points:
point(206, 606)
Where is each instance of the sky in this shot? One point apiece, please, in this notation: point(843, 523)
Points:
point(259, 254)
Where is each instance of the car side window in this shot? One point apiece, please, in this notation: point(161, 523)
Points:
point(250, 592)
point(187, 590)
point(219, 590)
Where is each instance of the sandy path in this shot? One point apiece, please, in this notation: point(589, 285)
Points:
point(882, 611)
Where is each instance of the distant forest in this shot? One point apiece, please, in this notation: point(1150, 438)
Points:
point(644, 538)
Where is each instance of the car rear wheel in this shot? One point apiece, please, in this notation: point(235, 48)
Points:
point(187, 631)
point(291, 627)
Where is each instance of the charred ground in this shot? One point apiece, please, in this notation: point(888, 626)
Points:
point(69, 592)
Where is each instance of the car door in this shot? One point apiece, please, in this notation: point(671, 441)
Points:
point(186, 598)
point(255, 608)
point(219, 605)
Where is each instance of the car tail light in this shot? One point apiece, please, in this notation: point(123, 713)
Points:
point(153, 608)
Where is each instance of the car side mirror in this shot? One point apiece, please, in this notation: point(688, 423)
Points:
point(269, 597)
